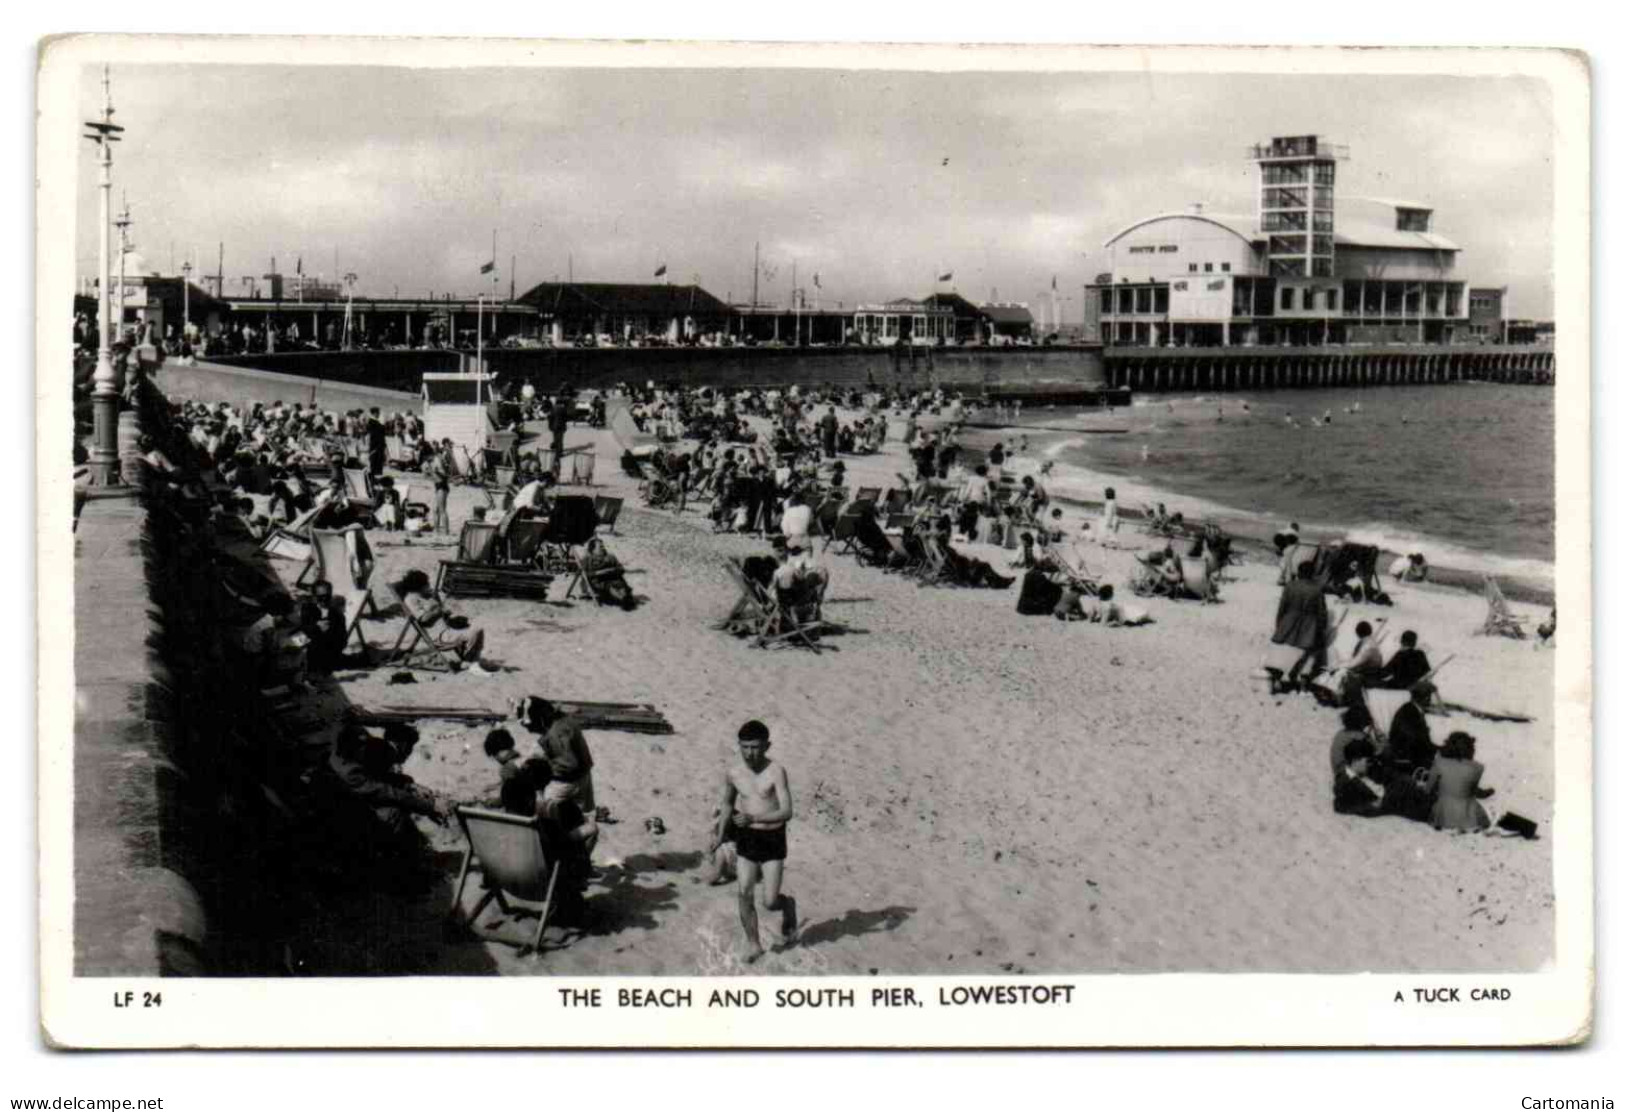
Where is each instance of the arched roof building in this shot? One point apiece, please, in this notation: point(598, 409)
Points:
point(1306, 266)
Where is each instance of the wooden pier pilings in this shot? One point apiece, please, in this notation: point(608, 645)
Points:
point(1222, 369)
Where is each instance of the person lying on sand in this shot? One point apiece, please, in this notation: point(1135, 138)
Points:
point(756, 807)
point(1104, 609)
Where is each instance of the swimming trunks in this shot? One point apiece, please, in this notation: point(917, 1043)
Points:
point(760, 845)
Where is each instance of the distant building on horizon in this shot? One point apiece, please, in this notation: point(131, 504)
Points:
point(1306, 267)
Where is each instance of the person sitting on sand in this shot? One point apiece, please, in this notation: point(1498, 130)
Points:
point(1366, 786)
point(1046, 590)
point(1547, 630)
point(361, 773)
point(1356, 725)
point(1457, 806)
point(1409, 569)
point(1408, 665)
point(796, 522)
point(1410, 742)
point(273, 644)
point(448, 629)
point(756, 807)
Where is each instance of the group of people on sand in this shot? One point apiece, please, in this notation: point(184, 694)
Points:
point(1378, 768)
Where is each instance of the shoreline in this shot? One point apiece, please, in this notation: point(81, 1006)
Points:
point(1242, 525)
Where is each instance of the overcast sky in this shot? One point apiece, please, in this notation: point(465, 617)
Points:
point(876, 181)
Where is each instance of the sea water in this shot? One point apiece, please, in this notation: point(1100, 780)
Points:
point(1463, 473)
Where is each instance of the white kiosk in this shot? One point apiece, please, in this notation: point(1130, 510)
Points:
point(456, 408)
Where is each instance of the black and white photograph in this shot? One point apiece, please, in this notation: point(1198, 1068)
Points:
point(813, 547)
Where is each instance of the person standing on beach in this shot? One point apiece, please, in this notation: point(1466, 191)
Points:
point(376, 444)
point(1109, 522)
point(756, 808)
point(440, 472)
point(1302, 621)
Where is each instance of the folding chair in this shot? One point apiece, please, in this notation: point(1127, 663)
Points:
point(1079, 573)
point(750, 610)
point(934, 570)
point(896, 501)
point(845, 531)
point(358, 488)
point(608, 510)
point(334, 561)
point(784, 624)
point(867, 494)
point(291, 541)
point(1500, 619)
point(416, 647)
point(573, 523)
point(476, 572)
point(582, 465)
point(397, 454)
point(476, 545)
point(510, 852)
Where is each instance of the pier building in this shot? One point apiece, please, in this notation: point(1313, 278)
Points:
point(1306, 267)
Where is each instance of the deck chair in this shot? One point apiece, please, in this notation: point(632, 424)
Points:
point(291, 541)
point(573, 523)
point(1500, 620)
point(416, 647)
point(358, 488)
point(896, 501)
point(511, 854)
point(750, 610)
point(934, 571)
point(608, 510)
point(397, 454)
point(1077, 571)
point(334, 562)
point(845, 531)
point(582, 465)
point(784, 624)
point(467, 468)
point(1148, 581)
point(476, 572)
point(867, 494)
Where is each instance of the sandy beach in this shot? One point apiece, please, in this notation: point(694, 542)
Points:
point(975, 791)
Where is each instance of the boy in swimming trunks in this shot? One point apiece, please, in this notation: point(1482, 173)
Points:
point(756, 807)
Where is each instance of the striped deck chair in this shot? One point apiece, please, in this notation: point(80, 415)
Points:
point(1499, 620)
point(358, 488)
point(1079, 572)
point(749, 612)
point(334, 557)
point(582, 466)
point(608, 510)
point(935, 571)
point(511, 854)
point(292, 541)
point(397, 454)
point(476, 573)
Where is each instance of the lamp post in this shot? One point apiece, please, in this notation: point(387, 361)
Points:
point(186, 298)
point(349, 301)
point(104, 463)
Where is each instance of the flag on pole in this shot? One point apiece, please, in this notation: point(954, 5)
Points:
point(948, 277)
point(299, 267)
point(488, 267)
point(661, 269)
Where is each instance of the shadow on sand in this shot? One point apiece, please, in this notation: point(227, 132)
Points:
point(854, 924)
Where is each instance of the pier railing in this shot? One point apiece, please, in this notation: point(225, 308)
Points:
point(1250, 368)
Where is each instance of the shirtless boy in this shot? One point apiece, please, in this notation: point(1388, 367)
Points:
point(756, 807)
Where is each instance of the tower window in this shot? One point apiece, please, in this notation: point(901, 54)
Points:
point(1225, 267)
point(1208, 267)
